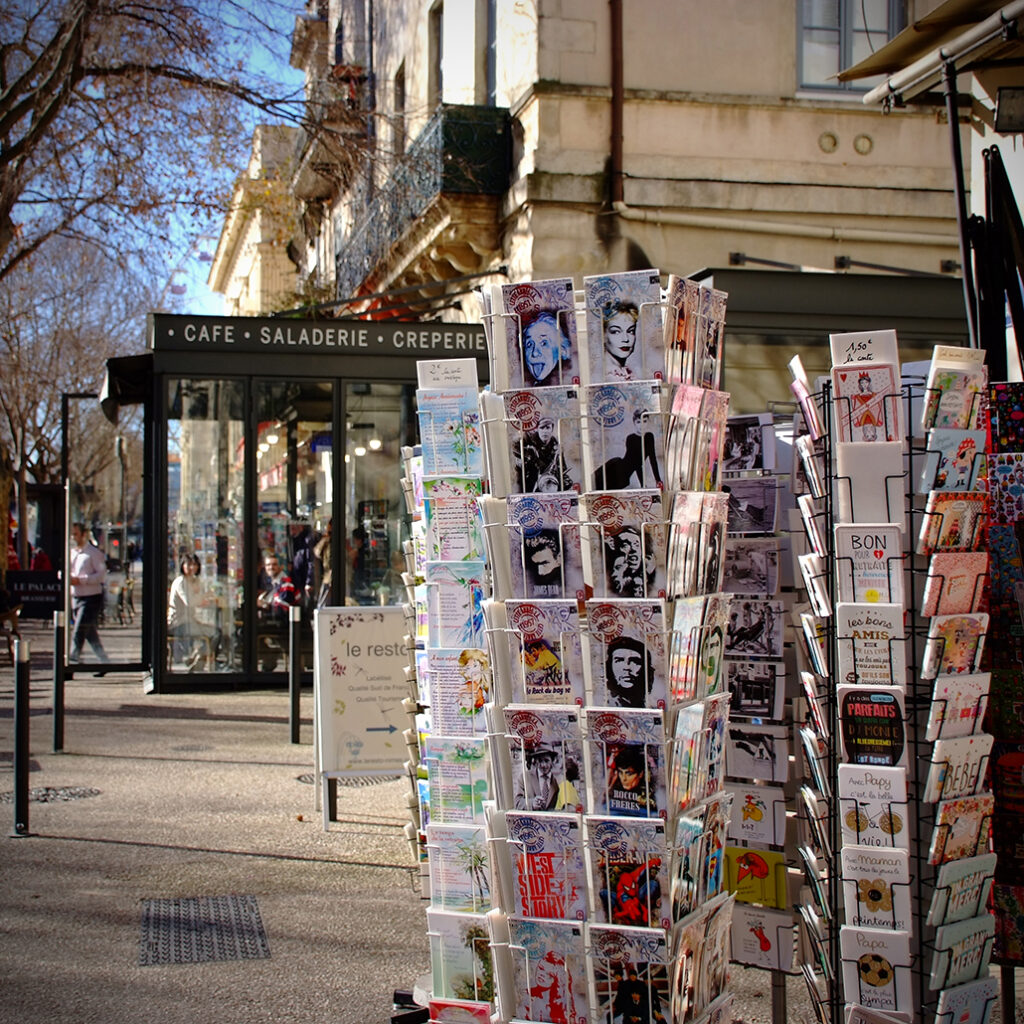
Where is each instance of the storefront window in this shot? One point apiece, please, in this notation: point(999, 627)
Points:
point(205, 522)
point(380, 420)
point(294, 508)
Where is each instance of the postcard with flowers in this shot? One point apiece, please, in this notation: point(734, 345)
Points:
point(450, 437)
point(876, 886)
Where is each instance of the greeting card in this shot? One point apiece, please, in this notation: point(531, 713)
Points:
point(963, 828)
point(955, 583)
point(869, 562)
point(876, 887)
point(867, 401)
point(869, 483)
point(756, 876)
point(871, 645)
point(958, 705)
point(876, 968)
point(962, 951)
point(971, 1003)
point(954, 461)
point(954, 645)
point(1006, 405)
point(872, 727)
point(957, 767)
point(953, 521)
point(758, 814)
point(762, 938)
point(873, 805)
point(961, 889)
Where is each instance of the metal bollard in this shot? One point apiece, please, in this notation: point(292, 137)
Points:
point(294, 671)
point(22, 675)
point(58, 681)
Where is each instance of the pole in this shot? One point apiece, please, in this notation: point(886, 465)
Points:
point(966, 263)
point(294, 670)
point(22, 674)
point(58, 682)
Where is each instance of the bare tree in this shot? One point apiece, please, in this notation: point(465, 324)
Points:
point(120, 118)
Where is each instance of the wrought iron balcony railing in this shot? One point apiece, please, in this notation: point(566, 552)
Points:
point(462, 150)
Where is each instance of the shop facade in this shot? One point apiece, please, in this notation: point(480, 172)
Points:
point(270, 439)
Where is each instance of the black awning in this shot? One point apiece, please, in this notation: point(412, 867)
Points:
point(127, 383)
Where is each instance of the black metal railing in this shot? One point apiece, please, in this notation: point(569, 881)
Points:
point(462, 150)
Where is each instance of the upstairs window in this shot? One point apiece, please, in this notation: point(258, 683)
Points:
point(836, 34)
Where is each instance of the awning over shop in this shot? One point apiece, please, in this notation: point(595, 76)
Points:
point(972, 34)
point(126, 383)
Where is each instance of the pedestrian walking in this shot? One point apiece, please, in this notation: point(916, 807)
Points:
point(88, 573)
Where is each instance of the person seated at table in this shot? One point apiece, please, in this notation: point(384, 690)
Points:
point(195, 639)
point(277, 595)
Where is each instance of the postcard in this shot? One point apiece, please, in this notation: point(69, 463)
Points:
point(1006, 406)
point(454, 598)
point(628, 645)
point(543, 429)
point(459, 685)
point(630, 973)
point(450, 437)
point(869, 483)
point(749, 444)
point(460, 868)
point(762, 937)
point(756, 629)
point(868, 403)
point(753, 504)
point(626, 436)
point(460, 955)
point(758, 814)
point(625, 535)
point(538, 321)
point(548, 970)
point(751, 567)
point(452, 517)
point(756, 751)
point(545, 748)
point(544, 545)
point(629, 861)
point(756, 876)
point(757, 688)
point(549, 876)
point(627, 762)
point(876, 887)
point(625, 332)
point(546, 652)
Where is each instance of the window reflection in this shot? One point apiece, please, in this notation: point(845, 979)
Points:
point(205, 521)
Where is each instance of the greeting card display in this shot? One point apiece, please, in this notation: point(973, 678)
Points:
point(700, 948)
point(626, 436)
point(873, 805)
point(539, 325)
point(459, 685)
point(543, 441)
point(955, 583)
point(962, 889)
point(957, 767)
point(954, 644)
point(749, 444)
point(869, 483)
point(452, 518)
point(549, 970)
point(876, 887)
point(626, 535)
point(755, 751)
point(625, 333)
point(549, 876)
point(869, 562)
point(457, 778)
point(698, 864)
point(544, 544)
point(758, 814)
point(958, 705)
point(695, 443)
point(872, 727)
point(460, 955)
point(753, 504)
point(963, 827)
point(630, 971)
point(627, 762)
point(962, 951)
point(757, 688)
point(628, 644)
point(698, 750)
point(755, 629)
point(870, 644)
point(971, 1003)
point(954, 461)
point(546, 649)
point(460, 869)
point(629, 860)
point(751, 566)
point(868, 406)
point(756, 876)
point(545, 749)
point(450, 435)
point(762, 937)
point(876, 968)
point(953, 521)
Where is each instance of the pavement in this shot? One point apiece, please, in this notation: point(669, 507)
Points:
point(202, 799)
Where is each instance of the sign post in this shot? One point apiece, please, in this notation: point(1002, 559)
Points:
point(359, 684)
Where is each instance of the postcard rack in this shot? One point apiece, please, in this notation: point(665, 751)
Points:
point(898, 866)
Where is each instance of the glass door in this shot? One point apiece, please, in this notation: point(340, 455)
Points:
point(294, 511)
point(379, 421)
point(205, 525)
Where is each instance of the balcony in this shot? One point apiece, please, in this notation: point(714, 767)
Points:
point(438, 213)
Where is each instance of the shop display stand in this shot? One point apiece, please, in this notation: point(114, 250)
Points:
point(915, 971)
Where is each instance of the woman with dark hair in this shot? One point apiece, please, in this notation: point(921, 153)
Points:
point(183, 604)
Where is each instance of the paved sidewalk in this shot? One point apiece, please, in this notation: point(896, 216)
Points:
point(187, 796)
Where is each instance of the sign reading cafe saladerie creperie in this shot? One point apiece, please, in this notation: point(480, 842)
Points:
point(169, 333)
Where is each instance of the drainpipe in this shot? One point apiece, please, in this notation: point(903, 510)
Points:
point(949, 83)
point(615, 10)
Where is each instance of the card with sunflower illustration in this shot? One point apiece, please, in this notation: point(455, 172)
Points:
point(876, 887)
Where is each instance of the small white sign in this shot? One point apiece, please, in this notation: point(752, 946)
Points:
point(446, 373)
point(359, 682)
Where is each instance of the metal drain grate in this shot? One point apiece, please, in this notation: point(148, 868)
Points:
point(195, 930)
point(51, 794)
